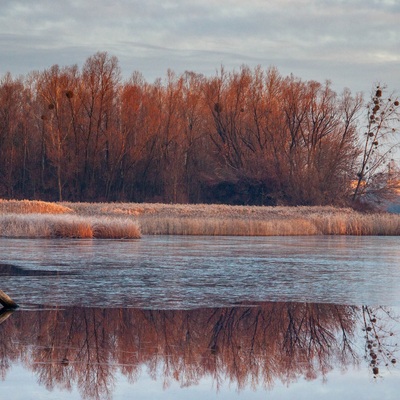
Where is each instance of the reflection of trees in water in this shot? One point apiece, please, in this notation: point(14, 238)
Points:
point(247, 345)
point(380, 339)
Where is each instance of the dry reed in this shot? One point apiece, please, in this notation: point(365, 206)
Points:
point(66, 226)
point(358, 224)
point(32, 207)
point(116, 220)
point(225, 227)
point(113, 228)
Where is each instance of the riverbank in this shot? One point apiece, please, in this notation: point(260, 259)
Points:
point(130, 220)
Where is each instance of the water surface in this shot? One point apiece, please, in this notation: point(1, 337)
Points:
point(195, 317)
point(188, 272)
point(242, 351)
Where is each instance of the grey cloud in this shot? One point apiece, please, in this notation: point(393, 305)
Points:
point(315, 39)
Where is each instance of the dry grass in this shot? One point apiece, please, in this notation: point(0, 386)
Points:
point(358, 224)
point(112, 228)
point(201, 219)
point(345, 224)
point(200, 210)
point(120, 220)
point(66, 226)
point(32, 207)
point(225, 226)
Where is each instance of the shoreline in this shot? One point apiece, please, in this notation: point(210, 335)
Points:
point(31, 218)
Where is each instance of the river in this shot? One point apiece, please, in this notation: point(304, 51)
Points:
point(193, 317)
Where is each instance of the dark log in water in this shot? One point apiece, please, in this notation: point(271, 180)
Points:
point(7, 301)
point(15, 270)
point(4, 314)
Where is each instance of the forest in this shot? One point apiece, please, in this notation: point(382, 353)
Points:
point(246, 137)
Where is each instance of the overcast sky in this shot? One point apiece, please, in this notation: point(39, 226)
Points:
point(353, 43)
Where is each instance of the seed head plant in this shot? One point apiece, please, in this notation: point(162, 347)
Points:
point(376, 176)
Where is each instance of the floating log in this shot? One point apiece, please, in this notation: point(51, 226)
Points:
point(6, 301)
point(4, 314)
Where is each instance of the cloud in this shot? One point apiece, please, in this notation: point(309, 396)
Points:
point(321, 38)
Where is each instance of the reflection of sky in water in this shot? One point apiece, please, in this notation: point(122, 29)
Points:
point(355, 384)
point(214, 353)
point(188, 272)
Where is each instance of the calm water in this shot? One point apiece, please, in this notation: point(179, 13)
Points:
point(190, 272)
point(196, 317)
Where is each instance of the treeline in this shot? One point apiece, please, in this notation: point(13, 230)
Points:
point(242, 137)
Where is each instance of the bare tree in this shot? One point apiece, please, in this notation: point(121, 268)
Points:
point(376, 176)
point(100, 80)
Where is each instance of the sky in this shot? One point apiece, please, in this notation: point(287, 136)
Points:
point(352, 43)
